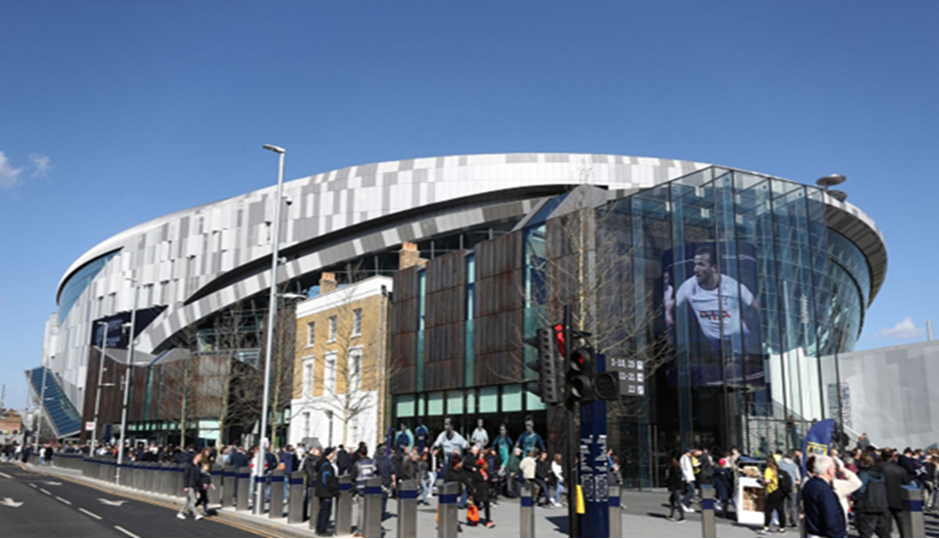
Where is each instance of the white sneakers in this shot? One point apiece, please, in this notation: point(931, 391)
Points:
point(180, 516)
point(199, 517)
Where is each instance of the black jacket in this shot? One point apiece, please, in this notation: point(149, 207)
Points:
point(238, 460)
point(343, 461)
point(192, 476)
point(480, 487)
point(673, 479)
point(311, 466)
point(896, 477)
point(327, 485)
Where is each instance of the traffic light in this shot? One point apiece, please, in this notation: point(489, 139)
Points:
point(584, 383)
point(547, 365)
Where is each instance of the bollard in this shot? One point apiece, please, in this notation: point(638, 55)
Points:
point(228, 486)
point(277, 495)
point(242, 490)
point(912, 515)
point(407, 509)
point(527, 511)
point(295, 500)
point(344, 506)
point(215, 494)
point(616, 517)
point(259, 483)
point(447, 514)
point(371, 522)
point(708, 523)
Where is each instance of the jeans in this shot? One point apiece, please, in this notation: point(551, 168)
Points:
point(689, 493)
point(322, 519)
point(463, 498)
point(426, 486)
point(189, 503)
point(558, 491)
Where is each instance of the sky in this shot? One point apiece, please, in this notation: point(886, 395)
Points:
point(113, 113)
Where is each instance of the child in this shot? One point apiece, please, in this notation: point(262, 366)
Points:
point(205, 483)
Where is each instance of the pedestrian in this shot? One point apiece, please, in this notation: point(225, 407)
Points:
point(481, 491)
point(205, 483)
point(824, 516)
point(192, 481)
point(423, 476)
point(386, 471)
point(723, 485)
point(528, 467)
point(327, 488)
point(675, 481)
point(542, 478)
point(845, 483)
point(480, 437)
point(896, 478)
point(343, 460)
point(790, 478)
point(513, 473)
point(774, 496)
point(871, 508)
point(558, 472)
point(687, 473)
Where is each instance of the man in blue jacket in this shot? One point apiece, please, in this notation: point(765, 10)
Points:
point(824, 516)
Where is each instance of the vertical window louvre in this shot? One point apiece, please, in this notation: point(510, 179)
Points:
point(332, 328)
point(310, 333)
point(356, 322)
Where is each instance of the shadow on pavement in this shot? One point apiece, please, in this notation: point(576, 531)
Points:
point(560, 523)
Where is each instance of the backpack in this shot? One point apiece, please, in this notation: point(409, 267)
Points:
point(472, 514)
point(785, 482)
point(875, 499)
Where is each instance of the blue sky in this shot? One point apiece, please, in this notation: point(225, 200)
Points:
point(112, 113)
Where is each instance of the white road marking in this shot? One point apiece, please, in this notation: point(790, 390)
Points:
point(116, 503)
point(120, 529)
point(32, 485)
point(7, 476)
point(63, 500)
point(89, 513)
point(10, 502)
point(44, 491)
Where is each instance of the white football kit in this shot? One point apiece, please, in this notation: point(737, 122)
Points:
point(705, 305)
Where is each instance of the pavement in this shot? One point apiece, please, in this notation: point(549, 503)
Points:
point(58, 502)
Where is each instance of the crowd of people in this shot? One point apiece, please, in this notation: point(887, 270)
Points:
point(828, 493)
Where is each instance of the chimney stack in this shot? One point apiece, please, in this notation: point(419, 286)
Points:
point(409, 256)
point(327, 282)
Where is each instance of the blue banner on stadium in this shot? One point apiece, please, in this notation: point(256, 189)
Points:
point(818, 440)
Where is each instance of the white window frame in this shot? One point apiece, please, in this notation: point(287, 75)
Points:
point(306, 424)
point(357, 323)
point(330, 363)
point(309, 376)
point(310, 334)
point(333, 328)
point(355, 375)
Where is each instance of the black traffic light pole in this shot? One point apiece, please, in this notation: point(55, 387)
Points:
point(573, 445)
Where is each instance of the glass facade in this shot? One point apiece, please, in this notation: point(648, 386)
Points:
point(78, 282)
point(737, 297)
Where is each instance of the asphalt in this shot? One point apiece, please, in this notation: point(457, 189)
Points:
point(35, 504)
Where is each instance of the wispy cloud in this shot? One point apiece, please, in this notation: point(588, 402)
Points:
point(9, 175)
point(905, 329)
point(42, 165)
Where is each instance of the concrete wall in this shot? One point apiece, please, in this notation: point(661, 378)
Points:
point(892, 392)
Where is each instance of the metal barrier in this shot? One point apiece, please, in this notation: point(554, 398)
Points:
point(295, 499)
point(167, 476)
point(407, 508)
point(243, 489)
point(228, 486)
point(277, 495)
point(914, 524)
point(447, 514)
point(708, 522)
point(344, 506)
point(372, 510)
point(527, 511)
point(616, 513)
point(180, 480)
point(215, 494)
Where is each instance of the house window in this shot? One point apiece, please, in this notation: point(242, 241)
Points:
point(308, 377)
point(355, 370)
point(310, 334)
point(306, 424)
point(356, 322)
point(333, 328)
point(329, 374)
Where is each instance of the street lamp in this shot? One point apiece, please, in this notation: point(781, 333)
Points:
point(42, 404)
point(832, 180)
point(104, 352)
point(130, 371)
point(272, 314)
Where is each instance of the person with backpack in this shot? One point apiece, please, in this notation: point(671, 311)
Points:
point(774, 496)
point(870, 501)
point(790, 477)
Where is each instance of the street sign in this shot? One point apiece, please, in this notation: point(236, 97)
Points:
point(89, 425)
point(632, 376)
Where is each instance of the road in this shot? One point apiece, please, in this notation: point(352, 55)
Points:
point(33, 504)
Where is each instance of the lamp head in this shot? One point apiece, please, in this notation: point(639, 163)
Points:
point(273, 148)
